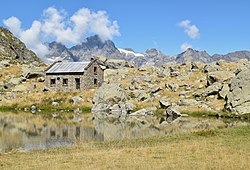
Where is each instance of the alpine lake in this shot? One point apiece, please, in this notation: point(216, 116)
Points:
point(24, 131)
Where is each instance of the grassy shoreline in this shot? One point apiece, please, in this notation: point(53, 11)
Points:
point(87, 109)
point(209, 149)
point(16, 108)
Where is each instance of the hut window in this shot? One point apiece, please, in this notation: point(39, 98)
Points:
point(65, 82)
point(95, 82)
point(52, 82)
point(95, 70)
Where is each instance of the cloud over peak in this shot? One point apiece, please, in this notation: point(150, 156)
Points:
point(185, 46)
point(58, 26)
point(191, 29)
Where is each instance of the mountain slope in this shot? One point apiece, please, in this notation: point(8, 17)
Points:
point(234, 56)
point(58, 51)
point(15, 51)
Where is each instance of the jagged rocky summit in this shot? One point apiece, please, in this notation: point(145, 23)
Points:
point(94, 46)
point(13, 51)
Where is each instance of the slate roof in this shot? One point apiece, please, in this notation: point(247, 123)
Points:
point(68, 67)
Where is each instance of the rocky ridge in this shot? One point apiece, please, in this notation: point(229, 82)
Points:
point(13, 51)
point(94, 46)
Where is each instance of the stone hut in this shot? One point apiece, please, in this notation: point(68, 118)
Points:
point(73, 76)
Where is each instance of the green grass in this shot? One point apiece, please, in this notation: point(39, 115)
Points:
point(44, 108)
point(222, 113)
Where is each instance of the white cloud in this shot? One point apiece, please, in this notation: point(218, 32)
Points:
point(72, 30)
point(69, 30)
point(31, 37)
point(185, 46)
point(14, 24)
point(192, 30)
point(101, 25)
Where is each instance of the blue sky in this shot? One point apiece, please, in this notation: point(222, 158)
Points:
point(215, 26)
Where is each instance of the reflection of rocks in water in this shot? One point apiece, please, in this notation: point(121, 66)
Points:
point(21, 133)
point(132, 128)
point(168, 118)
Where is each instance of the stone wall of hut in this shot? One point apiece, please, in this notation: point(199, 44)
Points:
point(93, 76)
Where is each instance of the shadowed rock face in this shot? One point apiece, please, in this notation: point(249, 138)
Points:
point(15, 51)
point(58, 51)
point(238, 99)
point(94, 46)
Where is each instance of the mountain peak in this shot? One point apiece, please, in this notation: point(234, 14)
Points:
point(190, 49)
point(94, 38)
point(191, 55)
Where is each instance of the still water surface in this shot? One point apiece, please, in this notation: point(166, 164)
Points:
point(27, 132)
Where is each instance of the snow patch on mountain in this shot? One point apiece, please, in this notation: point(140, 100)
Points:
point(127, 52)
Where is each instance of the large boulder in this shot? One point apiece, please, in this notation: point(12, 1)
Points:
point(164, 103)
point(238, 99)
point(111, 101)
point(141, 95)
point(219, 76)
point(110, 94)
point(224, 91)
point(113, 75)
point(211, 67)
point(32, 72)
point(212, 90)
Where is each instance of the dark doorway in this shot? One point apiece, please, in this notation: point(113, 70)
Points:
point(95, 82)
point(78, 84)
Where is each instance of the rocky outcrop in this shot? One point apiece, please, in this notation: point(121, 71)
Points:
point(238, 99)
point(213, 89)
point(224, 91)
point(211, 67)
point(219, 76)
point(14, 51)
point(32, 72)
point(111, 101)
